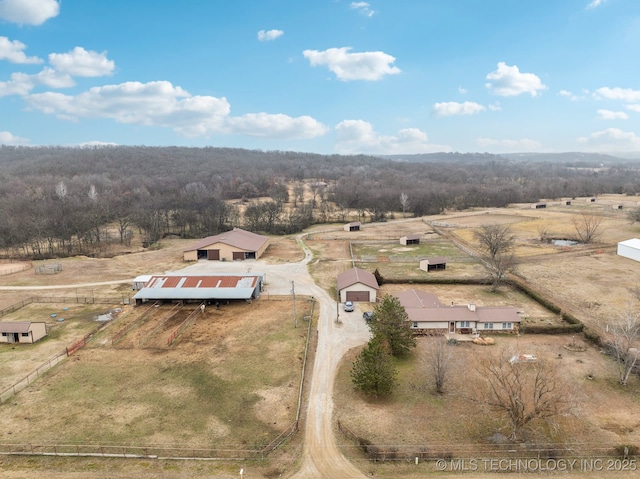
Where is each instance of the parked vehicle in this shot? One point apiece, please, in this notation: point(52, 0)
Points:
point(348, 306)
point(368, 316)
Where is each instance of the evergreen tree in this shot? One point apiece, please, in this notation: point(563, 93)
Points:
point(373, 372)
point(392, 326)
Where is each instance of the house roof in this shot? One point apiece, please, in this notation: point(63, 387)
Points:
point(240, 286)
point(354, 223)
point(632, 243)
point(15, 326)
point(357, 275)
point(436, 260)
point(238, 238)
point(426, 307)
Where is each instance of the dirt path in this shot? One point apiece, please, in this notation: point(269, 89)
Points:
point(322, 458)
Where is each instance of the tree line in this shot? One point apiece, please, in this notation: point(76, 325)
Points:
point(60, 200)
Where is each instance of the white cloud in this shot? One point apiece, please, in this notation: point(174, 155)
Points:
point(82, 63)
point(633, 107)
point(495, 107)
point(358, 136)
point(612, 139)
point(508, 81)
point(269, 35)
point(53, 79)
point(19, 84)
point(162, 104)
point(353, 66)
point(265, 125)
point(509, 146)
point(6, 138)
point(29, 12)
point(612, 115)
point(452, 108)
point(462, 91)
point(595, 4)
point(13, 51)
point(363, 8)
point(624, 94)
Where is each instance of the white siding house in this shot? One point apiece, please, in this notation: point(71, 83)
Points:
point(630, 249)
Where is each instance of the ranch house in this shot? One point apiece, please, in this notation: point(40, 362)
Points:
point(233, 245)
point(357, 285)
point(22, 331)
point(428, 316)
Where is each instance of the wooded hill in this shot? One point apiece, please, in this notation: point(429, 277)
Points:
point(58, 201)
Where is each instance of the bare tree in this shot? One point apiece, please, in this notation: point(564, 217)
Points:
point(495, 239)
point(404, 202)
point(439, 361)
point(587, 227)
point(523, 392)
point(634, 215)
point(623, 338)
point(497, 242)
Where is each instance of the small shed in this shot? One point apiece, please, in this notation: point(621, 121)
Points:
point(410, 239)
point(24, 332)
point(138, 283)
point(353, 226)
point(617, 207)
point(591, 200)
point(357, 285)
point(433, 263)
point(567, 203)
point(537, 206)
point(630, 249)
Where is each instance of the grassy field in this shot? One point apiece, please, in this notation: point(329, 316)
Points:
point(454, 425)
point(217, 387)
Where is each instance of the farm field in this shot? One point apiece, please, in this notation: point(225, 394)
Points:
point(151, 393)
point(216, 386)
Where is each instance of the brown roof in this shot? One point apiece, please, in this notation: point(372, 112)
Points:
point(436, 260)
point(357, 275)
point(15, 326)
point(354, 223)
point(415, 236)
point(238, 238)
point(423, 306)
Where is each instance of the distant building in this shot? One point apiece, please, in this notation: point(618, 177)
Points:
point(410, 239)
point(353, 226)
point(233, 245)
point(433, 263)
point(630, 249)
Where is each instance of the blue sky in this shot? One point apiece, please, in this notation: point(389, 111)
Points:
point(324, 76)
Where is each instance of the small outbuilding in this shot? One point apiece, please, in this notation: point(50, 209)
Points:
point(617, 207)
point(357, 285)
point(433, 263)
point(22, 331)
point(630, 249)
point(410, 239)
point(233, 245)
point(591, 200)
point(567, 203)
point(537, 206)
point(353, 226)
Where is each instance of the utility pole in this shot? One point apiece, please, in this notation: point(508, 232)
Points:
point(295, 318)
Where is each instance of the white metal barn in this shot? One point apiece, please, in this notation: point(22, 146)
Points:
point(630, 249)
